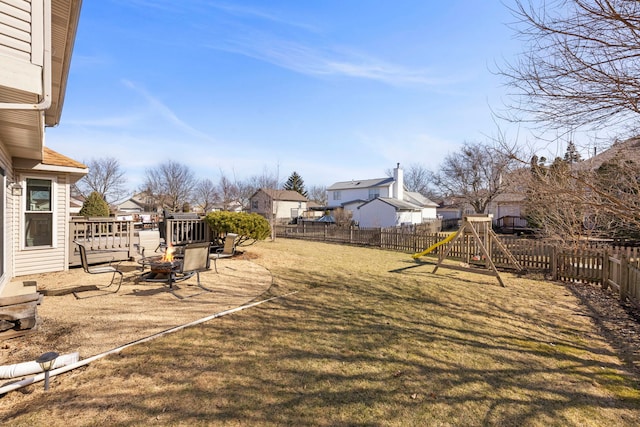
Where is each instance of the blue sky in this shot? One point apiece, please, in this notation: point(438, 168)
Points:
point(333, 89)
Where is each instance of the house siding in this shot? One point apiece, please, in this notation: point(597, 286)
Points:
point(22, 44)
point(15, 22)
point(55, 258)
point(261, 203)
point(8, 225)
point(284, 208)
point(376, 214)
point(348, 195)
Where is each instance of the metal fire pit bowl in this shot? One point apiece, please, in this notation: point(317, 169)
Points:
point(164, 271)
point(165, 267)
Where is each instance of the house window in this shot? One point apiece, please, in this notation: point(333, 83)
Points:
point(254, 205)
point(373, 193)
point(337, 195)
point(38, 223)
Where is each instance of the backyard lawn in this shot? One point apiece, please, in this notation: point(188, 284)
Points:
point(367, 337)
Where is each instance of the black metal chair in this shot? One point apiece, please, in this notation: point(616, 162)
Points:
point(100, 269)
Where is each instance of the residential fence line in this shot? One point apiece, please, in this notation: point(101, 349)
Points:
point(617, 267)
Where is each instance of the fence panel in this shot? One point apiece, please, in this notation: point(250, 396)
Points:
point(633, 276)
point(580, 265)
point(583, 263)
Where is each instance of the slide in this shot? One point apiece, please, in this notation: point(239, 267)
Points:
point(432, 247)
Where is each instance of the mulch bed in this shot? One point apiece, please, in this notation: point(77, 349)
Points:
point(618, 321)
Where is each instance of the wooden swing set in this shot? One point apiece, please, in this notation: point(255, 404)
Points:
point(484, 240)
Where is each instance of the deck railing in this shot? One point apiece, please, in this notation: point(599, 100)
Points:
point(109, 239)
point(105, 238)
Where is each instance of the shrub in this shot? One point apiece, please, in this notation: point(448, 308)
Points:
point(94, 205)
point(250, 227)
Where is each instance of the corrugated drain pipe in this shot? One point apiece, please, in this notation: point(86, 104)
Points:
point(28, 381)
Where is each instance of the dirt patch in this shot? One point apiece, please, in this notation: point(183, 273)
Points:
point(93, 321)
point(618, 322)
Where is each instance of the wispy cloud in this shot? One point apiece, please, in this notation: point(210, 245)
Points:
point(252, 12)
point(106, 122)
point(313, 61)
point(162, 5)
point(166, 112)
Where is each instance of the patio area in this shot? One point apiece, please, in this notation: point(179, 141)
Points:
point(94, 321)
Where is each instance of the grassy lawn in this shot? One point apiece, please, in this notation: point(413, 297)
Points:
point(370, 338)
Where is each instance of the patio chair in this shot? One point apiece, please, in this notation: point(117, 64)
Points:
point(100, 269)
point(226, 251)
point(195, 259)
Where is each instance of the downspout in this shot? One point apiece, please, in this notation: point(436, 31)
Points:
point(45, 102)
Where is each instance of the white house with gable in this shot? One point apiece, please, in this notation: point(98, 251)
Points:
point(381, 202)
point(36, 43)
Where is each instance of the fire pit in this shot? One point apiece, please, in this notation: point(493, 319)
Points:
point(164, 268)
point(158, 266)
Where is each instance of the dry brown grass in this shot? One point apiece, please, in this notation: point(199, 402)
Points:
point(371, 338)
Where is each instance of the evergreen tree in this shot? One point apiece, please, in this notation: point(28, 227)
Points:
point(95, 205)
point(572, 155)
point(295, 183)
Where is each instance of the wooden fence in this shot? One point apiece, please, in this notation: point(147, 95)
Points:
point(615, 267)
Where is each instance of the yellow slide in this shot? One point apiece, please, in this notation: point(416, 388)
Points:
point(432, 247)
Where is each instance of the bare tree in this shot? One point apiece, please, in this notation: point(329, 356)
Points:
point(579, 71)
point(474, 175)
point(206, 194)
point(598, 197)
point(105, 177)
point(417, 178)
point(227, 191)
point(555, 202)
point(171, 183)
point(318, 194)
point(580, 66)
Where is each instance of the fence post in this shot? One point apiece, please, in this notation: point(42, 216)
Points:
point(130, 243)
point(605, 269)
point(554, 262)
point(624, 276)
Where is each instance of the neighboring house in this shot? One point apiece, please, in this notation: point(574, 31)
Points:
point(628, 150)
point(36, 42)
point(509, 203)
point(278, 204)
point(381, 202)
point(75, 206)
point(130, 206)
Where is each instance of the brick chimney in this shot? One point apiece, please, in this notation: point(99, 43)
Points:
point(398, 183)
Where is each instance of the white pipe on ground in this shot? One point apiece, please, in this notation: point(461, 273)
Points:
point(32, 380)
point(33, 367)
